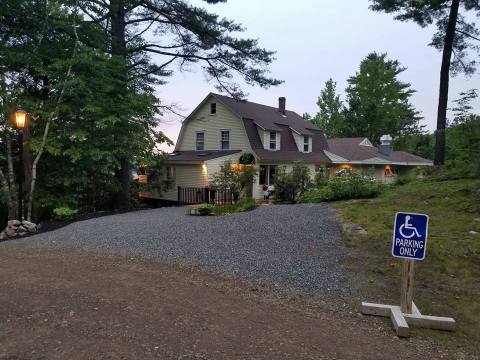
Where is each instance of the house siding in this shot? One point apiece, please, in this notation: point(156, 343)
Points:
point(213, 166)
point(186, 176)
point(212, 125)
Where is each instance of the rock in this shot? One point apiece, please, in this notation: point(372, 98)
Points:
point(10, 232)
point(29, 226)
point(22, 233)
point(471, 232)
point(353, 229)
point(3, 236)
point(12, 223)
point(21, 228)
point(476, 219)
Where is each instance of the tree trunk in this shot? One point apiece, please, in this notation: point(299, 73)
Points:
point(119, 55)
point(444, 80)
point(13, 208)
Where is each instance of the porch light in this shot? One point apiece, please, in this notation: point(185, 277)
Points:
point(20, 117)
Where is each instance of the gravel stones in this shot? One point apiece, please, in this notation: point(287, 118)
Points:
point(292, 246)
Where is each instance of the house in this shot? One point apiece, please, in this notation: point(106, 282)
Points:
point(222, 129)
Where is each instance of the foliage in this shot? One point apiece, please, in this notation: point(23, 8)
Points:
point(428, 12)
point(346, 185)
point(241, 206)
point(97, 91)
point(451, 266)
point(378, 102)
point(330, 117)
point(456, 36)
point(64, 213)
point(247, 159)
point(290, 185)
point(233, 178)
point(206, 209)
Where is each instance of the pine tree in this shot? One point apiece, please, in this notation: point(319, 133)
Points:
point(378, 102)
point(456, 35)
point(330, 117)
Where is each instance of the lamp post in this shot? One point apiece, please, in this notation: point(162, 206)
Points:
point(20, 117)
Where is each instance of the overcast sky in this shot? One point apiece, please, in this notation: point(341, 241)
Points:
point(316, 40)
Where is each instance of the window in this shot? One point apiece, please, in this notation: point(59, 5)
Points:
point(273, 140)
point(225, 139)
point(306, 143)
point(200, 141)
point(170, 172)
point(213, 108)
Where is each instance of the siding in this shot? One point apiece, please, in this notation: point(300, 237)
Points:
point(213, 165)
point(212, 125)
point(188, 176)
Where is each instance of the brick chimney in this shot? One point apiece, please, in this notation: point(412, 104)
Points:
point(281, 104)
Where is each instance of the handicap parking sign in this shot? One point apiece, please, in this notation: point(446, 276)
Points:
point(410, 236)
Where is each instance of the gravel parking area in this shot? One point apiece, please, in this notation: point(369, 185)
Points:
point(293, 246)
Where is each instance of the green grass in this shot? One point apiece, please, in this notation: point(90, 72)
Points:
point(241, 206)
point(447, 282)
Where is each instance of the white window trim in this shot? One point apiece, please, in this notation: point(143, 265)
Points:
point(210, 109)
point(229, 139)
point(195, 139)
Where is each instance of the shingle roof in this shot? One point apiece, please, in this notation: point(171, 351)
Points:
point(350, 149)
point(267, 117)
point(198, 156)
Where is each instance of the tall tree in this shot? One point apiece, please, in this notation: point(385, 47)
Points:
point(330, 116)
point(378, 102)
point(175, 32)
point(455, 35)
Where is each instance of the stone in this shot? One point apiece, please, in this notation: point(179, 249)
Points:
point(472, 232)
point(3, 236)
point(22, 233)
point(10, 232)
point(29, 226)
point(476, 219)
point(12, 223)
point(21, 228)
point(353, 229)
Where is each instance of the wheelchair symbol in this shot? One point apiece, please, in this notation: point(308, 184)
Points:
point(407, 226)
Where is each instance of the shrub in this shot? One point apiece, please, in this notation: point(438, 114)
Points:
point(290, 186)
point(206, 209)
point(402, 180)
point(348, 185)
point(64, 213)
point(241, 206)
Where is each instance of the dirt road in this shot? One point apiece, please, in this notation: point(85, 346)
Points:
point(68, 304)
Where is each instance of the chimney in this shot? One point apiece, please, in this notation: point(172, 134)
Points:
point(281, 104)
point(385, 147)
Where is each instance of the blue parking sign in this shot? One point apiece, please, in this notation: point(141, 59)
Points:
point(410, 236)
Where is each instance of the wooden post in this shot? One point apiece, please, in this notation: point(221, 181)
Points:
point(406, 297)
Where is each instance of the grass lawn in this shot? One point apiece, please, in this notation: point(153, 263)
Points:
point(447, 282)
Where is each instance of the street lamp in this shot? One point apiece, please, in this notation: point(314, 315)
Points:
point(20, 117)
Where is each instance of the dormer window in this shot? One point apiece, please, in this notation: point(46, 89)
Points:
point(213, 108)
point(273, 140)
point(306, 144)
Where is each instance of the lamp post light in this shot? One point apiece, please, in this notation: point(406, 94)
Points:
point(20, 117)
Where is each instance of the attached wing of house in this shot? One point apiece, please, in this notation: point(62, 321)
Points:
point(222, 128)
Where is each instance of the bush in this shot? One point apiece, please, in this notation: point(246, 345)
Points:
point(241, 206)
point(348, 185)
point(64, 213)
point(290, 186)
point(206, 209)
point(402, 180)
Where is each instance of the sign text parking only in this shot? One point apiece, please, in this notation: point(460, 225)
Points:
point(410, 236)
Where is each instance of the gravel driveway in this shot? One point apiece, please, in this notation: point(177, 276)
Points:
point(293, 246)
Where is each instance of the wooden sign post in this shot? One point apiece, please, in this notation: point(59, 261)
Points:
point(409, 243)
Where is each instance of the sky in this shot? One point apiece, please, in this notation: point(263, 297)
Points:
point(316, 40)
